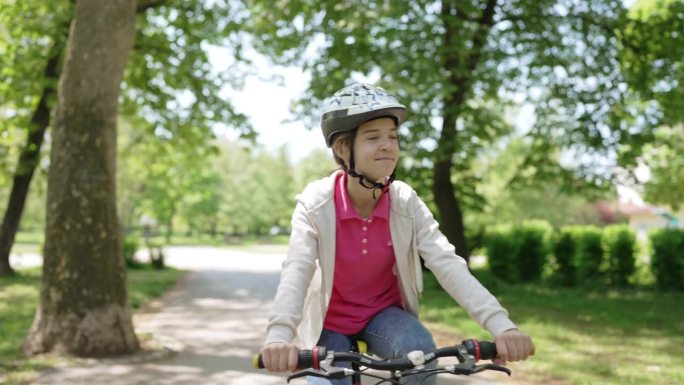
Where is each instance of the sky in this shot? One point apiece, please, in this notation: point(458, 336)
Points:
point(267, 103)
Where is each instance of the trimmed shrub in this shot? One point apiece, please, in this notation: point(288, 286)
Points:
point(619, 244)
point(533, 239)
point(564, 249)
point(502, 253)
point(589, 254)
point(519, 253)
point(667, 258)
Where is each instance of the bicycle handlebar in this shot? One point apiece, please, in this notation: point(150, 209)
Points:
point(311, 358)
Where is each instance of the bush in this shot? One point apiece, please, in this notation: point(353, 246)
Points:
point(532, 238)
point(518, 254)
point(619, 244)
point(667, 258)
point(502, 253)
point(564, 249)
point(589, 254)
point(129, 247)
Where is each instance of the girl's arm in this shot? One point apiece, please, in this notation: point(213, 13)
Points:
point(295, 277)
point(452, 273)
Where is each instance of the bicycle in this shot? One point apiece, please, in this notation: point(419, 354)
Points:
point(318, 362)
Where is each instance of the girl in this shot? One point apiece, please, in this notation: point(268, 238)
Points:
point(353, 266)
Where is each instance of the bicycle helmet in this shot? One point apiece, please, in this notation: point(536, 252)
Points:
point(351, 106)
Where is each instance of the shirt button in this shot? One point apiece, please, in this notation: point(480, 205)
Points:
point(364, 228)
point(364, 251)
point(364, 241)
point(370, 221)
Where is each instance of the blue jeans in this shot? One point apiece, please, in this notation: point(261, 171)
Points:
point(391, 333)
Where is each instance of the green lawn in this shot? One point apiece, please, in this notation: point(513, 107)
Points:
point(582, 338)
point(19, 298)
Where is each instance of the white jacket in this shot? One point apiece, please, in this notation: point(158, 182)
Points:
point(306, 279)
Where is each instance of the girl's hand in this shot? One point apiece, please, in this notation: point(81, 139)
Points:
point(280, 356)
point(513, 345)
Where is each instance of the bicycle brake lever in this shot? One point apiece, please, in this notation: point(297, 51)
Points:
point(498, 368)
point(332, 374)
point(303, 373)
point(468, 370)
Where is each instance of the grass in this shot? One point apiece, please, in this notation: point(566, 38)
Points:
point(19, 297)
point(582, 337)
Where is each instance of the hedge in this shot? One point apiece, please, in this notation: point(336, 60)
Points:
point(619, 245)
point(519, 253)
point(589, 254)
point(564, 251)
point(667, 258)
point(502, 253)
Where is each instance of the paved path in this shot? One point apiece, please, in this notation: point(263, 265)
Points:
point(214, 318)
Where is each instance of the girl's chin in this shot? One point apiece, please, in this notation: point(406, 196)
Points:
point(379, 177)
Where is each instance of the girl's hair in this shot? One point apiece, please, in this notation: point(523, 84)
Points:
point(347, 139)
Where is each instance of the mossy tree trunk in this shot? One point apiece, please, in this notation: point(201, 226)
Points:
point(83, 308)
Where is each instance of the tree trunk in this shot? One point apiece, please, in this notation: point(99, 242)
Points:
point(449, 208)
point(28, 159)
point(84, 309)
point(460, 66)
point(169, 230)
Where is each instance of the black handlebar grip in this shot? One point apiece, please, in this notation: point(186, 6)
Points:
point(481, 350)
point(305, 358)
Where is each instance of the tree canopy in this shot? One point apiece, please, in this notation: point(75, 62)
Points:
point(461, 66)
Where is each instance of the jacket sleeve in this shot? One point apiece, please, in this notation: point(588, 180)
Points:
point(295, 278)
point(453, 274)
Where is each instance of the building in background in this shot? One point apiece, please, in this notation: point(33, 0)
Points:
point(643, 218)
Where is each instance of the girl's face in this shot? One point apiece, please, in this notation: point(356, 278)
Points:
point(376, 149)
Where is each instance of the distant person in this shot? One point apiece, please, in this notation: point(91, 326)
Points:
point(353, 265)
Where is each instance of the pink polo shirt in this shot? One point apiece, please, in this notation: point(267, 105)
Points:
point(365, 282)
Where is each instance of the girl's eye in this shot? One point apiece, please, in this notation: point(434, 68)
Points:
point(372, 138)
point(393, 137)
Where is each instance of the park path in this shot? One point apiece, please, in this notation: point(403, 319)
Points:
point(213, 319)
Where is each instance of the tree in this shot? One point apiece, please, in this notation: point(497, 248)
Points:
point(256, 189)
point(159, 180)
point(656, 72)
point(170, 86)
point(317, 164)
point(458, 65)
point(665, 160)
point(17, 96)
point(653, 63)
point(83, 308)
point(511, 198)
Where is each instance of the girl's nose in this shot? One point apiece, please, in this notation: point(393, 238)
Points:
point(386, 144)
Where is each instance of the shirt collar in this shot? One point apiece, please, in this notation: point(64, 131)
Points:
point(346, 210)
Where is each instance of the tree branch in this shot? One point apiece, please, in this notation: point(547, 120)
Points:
point(144, 5)
point(486, 22)
point(461, 13)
